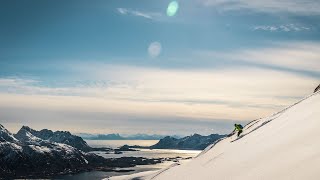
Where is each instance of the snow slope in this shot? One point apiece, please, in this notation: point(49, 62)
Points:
point(283, 146)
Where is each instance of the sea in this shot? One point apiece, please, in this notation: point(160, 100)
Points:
point(147, 153)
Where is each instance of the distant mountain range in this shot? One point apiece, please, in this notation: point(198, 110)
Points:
point(122, 137)
point(193, 142)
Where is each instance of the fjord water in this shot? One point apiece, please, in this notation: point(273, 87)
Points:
point(155, 153)
point(147, 153)
point(118, 143)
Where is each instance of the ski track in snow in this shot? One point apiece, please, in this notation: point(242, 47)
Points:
point(163, 170)
point(268, 119)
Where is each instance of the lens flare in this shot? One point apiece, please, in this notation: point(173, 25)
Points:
point(154, 49)
point(172, 8)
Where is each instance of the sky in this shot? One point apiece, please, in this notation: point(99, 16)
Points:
point(154, 67)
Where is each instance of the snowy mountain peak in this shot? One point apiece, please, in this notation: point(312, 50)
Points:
point(6, 136)
point(27, 134)
point(26, 128)
point(195, 135)
point(24, 135)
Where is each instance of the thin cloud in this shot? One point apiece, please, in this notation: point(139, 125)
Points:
point(122, 11)
point(282, 28)
point(147, 15)
point(299, 56)
point(307, 7)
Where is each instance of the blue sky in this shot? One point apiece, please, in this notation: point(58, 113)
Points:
point(125, 66)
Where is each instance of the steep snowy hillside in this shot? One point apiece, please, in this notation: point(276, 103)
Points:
point(283, 146)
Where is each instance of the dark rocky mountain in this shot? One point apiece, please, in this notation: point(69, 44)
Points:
point(63, 137)
point(317, 89)
point(195, 142)
point(27, 156)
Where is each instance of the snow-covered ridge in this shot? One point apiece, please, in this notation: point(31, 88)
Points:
point(63, 137)
point(26, 137)
point(6, 136)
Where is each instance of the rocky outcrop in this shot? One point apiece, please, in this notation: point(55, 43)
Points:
point(125, 148)
point(195, 142)
point(64, 137)
point(317, 89)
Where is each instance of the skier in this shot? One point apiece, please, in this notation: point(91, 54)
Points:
point(238, 127)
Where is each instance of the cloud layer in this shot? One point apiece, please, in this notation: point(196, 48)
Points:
point(156, 95)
